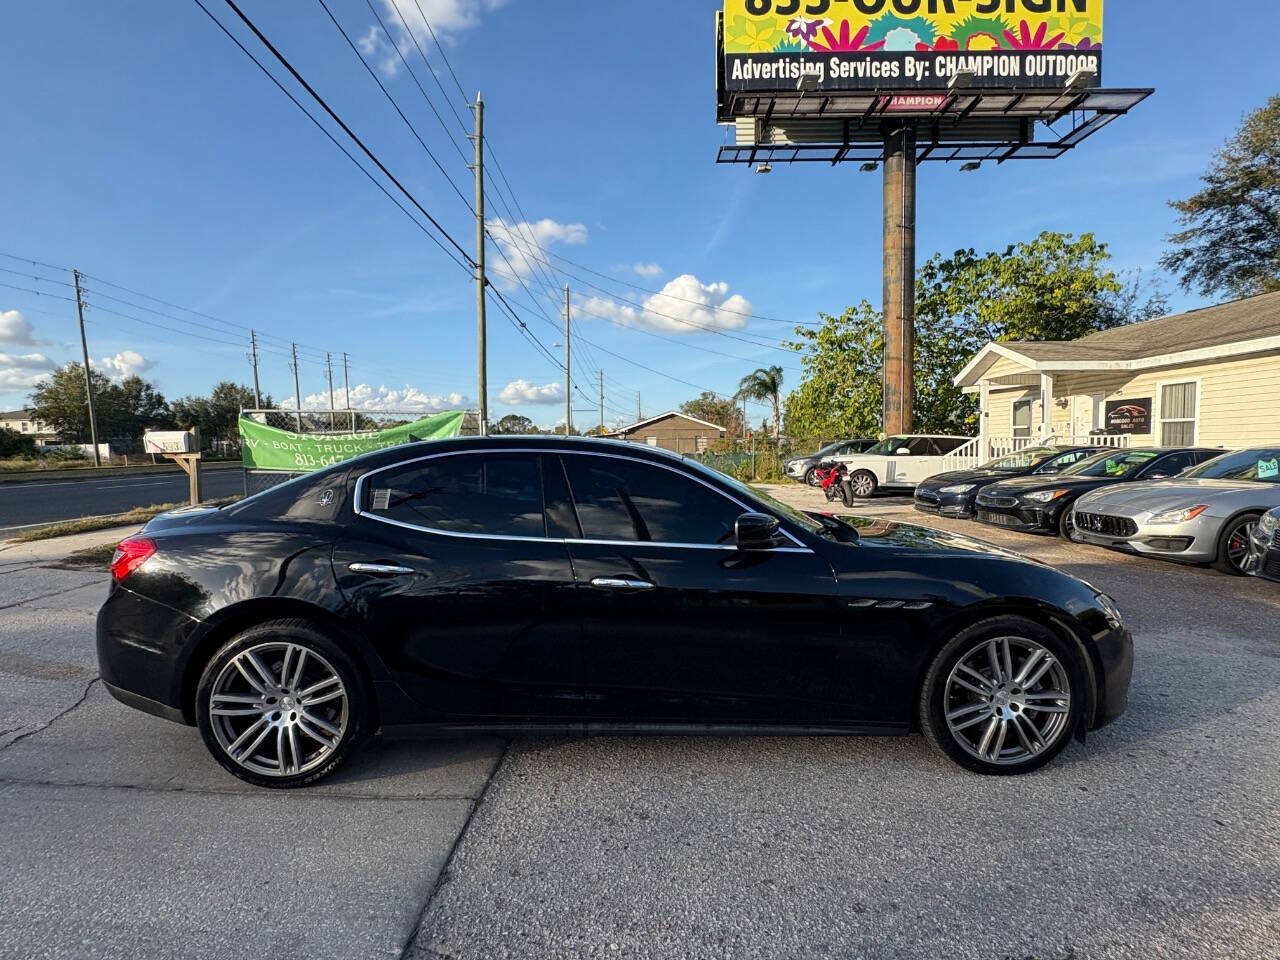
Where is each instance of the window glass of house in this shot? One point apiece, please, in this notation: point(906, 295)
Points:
point(479, 493)
point(620, 499)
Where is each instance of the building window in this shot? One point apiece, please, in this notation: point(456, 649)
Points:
point(1178, 411)
point(651, 441)
point(1022, 410)
point(700, 443)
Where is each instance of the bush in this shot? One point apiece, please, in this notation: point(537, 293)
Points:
point(66, 455)
point(14, 446)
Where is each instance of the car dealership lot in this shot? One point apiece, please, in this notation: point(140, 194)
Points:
point(1157, 839)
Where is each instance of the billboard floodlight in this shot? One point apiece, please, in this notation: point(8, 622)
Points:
point(1082, 79)
point(765, 168)
point(971, 166)
point(960, 80)
point(871, 167)
point(807, 83)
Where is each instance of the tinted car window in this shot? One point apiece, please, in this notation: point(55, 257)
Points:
point(485, 493)
point(1113, 464)
point(948, 444)
point(1260, 465)
point(1171, 466)
point(626, 500)
point(922, 447)
point(1062, 461)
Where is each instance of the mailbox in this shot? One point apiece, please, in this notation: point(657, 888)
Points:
point(171, 441)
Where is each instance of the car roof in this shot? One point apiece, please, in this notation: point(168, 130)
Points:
point(538, 442)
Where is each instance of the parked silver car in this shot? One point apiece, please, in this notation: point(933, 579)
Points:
point(1205, 515)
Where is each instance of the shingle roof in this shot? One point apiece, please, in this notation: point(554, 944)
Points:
point(16, 415)
point(1235, 322)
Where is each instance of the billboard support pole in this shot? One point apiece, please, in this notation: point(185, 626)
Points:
point(899, 278)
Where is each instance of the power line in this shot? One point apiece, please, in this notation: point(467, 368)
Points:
point(466, 263)
point(430, 103)
point(390, 99)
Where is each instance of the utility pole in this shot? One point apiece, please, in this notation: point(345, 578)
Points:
point(639, 414)
point(602, 403)
point(253, 357)
point(899, 279)
point(88, 377)
point(297, 389)
point(328, 362)
point(346, 386)
point(568, 380)
point(482, 333)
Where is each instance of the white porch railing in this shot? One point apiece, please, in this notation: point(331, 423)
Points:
point(982, 450)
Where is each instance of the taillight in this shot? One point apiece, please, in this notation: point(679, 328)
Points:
point(130, 555)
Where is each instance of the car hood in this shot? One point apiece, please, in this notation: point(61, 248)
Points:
point(1021, 486)
point(1163, 495)
point(879, 533)
point(965, 476)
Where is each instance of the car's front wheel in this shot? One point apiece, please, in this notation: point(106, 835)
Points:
point(1003, 697)
point(1234, 547)
point(281, 704)
point(863, 484)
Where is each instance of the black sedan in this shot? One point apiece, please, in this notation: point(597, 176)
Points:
point(537, 586)
point(1264, 542)
point(955, 494)
point(1043, 504)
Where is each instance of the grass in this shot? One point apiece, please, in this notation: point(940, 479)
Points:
point(133, 518)
point(92, 558)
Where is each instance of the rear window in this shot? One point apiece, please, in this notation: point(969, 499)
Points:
point(314, 496)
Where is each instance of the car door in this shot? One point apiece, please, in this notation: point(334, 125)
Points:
point(678, 625)
point(451, 571)
point(924, 462)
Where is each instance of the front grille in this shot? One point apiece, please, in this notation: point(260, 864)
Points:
point(1107, 526)
point(928, 499)
point(999, 519)
point(1275, 541)
point(989, 501)
point(1272, 567)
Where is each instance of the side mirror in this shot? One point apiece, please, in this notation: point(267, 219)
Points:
point(757, 531)
point(902, 452)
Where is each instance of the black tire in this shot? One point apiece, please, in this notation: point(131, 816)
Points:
point(863, 484)
point(348, 711)
point(936, 694)
point(1065, 525)
point(1237, 527)
point(811, 477)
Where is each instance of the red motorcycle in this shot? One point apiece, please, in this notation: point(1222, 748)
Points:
point(833, 477)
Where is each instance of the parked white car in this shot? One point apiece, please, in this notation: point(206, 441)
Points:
point(899, 462)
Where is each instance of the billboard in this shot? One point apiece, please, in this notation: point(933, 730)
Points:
point(770, 45)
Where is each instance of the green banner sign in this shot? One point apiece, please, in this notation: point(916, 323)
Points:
point(266, 448)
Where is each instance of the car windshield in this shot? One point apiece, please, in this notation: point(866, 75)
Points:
point(777, 506)
point(831, 448)
point(888, 447)
point(1261, 466)
point(1112, 464)
point(1023, 459)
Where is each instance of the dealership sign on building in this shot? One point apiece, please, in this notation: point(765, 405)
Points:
point(910, 44)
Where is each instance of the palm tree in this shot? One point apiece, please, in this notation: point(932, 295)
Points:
point(764, 384)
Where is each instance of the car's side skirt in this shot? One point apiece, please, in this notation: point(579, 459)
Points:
point(428, 730)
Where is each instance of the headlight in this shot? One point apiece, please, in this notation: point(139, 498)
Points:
point(1111, 610)
point(958, 488)
point(1269, 523)
point(1045, 496)
point(1180, 516)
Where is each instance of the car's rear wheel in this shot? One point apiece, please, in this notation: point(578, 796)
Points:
point(1234, 547)
point(1004, 697)
point(862, 484)
point(281, 704)
point(811, 477)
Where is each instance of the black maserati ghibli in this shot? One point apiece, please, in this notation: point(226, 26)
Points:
point(541, 585)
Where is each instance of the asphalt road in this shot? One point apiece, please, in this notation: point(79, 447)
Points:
point(39, 502)
point(1158, 838)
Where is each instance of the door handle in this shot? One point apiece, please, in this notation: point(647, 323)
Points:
point(381, 569)
point(617, 583)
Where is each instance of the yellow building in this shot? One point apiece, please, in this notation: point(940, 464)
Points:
point(1210, 377)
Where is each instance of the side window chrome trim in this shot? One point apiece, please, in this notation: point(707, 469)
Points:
point(358, 500)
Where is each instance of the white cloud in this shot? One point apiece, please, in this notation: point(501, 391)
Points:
point(520, 242)
point(23, 371)
point(446, 17)
point(647, 270)
point(685, 305)
point(126, 363)
point(16, 329)
point(384, 399)
point(518, 393)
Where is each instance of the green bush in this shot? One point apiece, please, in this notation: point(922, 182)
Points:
point(69, 455)
point(14, 446)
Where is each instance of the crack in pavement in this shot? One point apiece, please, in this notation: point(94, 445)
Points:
point(55, 718)
point(46, 596)
point(408, 952)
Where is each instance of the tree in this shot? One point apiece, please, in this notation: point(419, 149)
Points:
point(713, 408)
point(765, 384)
point(217, 416)
point(1056, 287)
point(1230, 241)
point(124, 410)
point(515, 425)
point(13, 445)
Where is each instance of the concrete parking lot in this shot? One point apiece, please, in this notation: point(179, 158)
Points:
point(1158, 838)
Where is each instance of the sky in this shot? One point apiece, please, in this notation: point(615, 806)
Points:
point(141, 147)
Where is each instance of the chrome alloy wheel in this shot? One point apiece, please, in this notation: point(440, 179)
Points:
point(864, 485)
point(1006, 700)
point(278, 709)
point(1239, 549)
